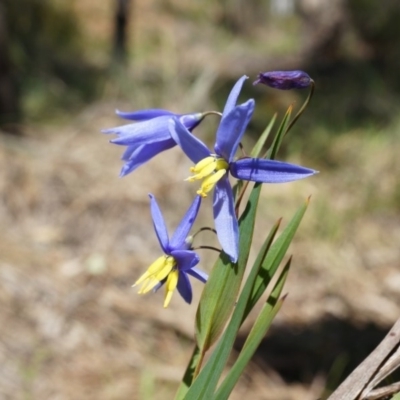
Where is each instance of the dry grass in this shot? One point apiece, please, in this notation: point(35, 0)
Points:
point(75, 237)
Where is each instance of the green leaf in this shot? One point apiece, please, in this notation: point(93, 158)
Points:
point(221, 290)
point(217, 299)
point(256, 269)
point(274, 257)
point(188, 377)
point(276, 144)
point(204, 385)
point(263, 138)
point(256, 335)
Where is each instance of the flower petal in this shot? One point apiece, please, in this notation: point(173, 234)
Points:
point(231, 129)
point(154, 130)
point(192, 147)
point(144, 115)
point(183, 229)
point(226, 223)
point(143, 154)
point(268, 171)
point(234, 94)
point(198, 274)
point(184, 287)
point(185, 259)
point(159, 224)
point(128, 153)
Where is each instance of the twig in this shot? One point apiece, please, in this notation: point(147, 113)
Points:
point(384, 392)
point(378, 365)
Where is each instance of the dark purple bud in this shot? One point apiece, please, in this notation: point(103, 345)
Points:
point(284, 80)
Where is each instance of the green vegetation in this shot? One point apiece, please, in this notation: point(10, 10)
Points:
point(47, 56)
point(57, 211)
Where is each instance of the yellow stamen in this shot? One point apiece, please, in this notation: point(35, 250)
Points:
point(203, 168)
point(157, 271)
point(203, 164)
point(221, 164)
point(170, 286)
point(208, 183)
point(211, 169)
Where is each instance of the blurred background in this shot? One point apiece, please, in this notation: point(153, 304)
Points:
point(74, 236)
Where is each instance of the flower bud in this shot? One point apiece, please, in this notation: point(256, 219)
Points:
point(284, 80)
point(190, 121)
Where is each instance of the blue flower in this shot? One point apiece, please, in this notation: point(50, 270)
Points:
point(213, 167)
point(149, 136)
point(284, 80)
point(178, 262)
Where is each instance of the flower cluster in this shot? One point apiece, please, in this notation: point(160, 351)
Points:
point(157, 130)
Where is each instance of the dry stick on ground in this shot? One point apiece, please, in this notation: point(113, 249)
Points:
point(377, 366)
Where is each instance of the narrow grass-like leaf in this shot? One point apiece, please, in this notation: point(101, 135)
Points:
point(264, 249)
point(188, 377)
point(204, 385)
point(274, 257)
point(276, 144)
point(263, 138)
point(221, 290)
point(217, 299)
point(258, 263)
point(256, 335)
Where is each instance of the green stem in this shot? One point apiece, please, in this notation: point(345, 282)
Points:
point(303, 107)
point(240, 197)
